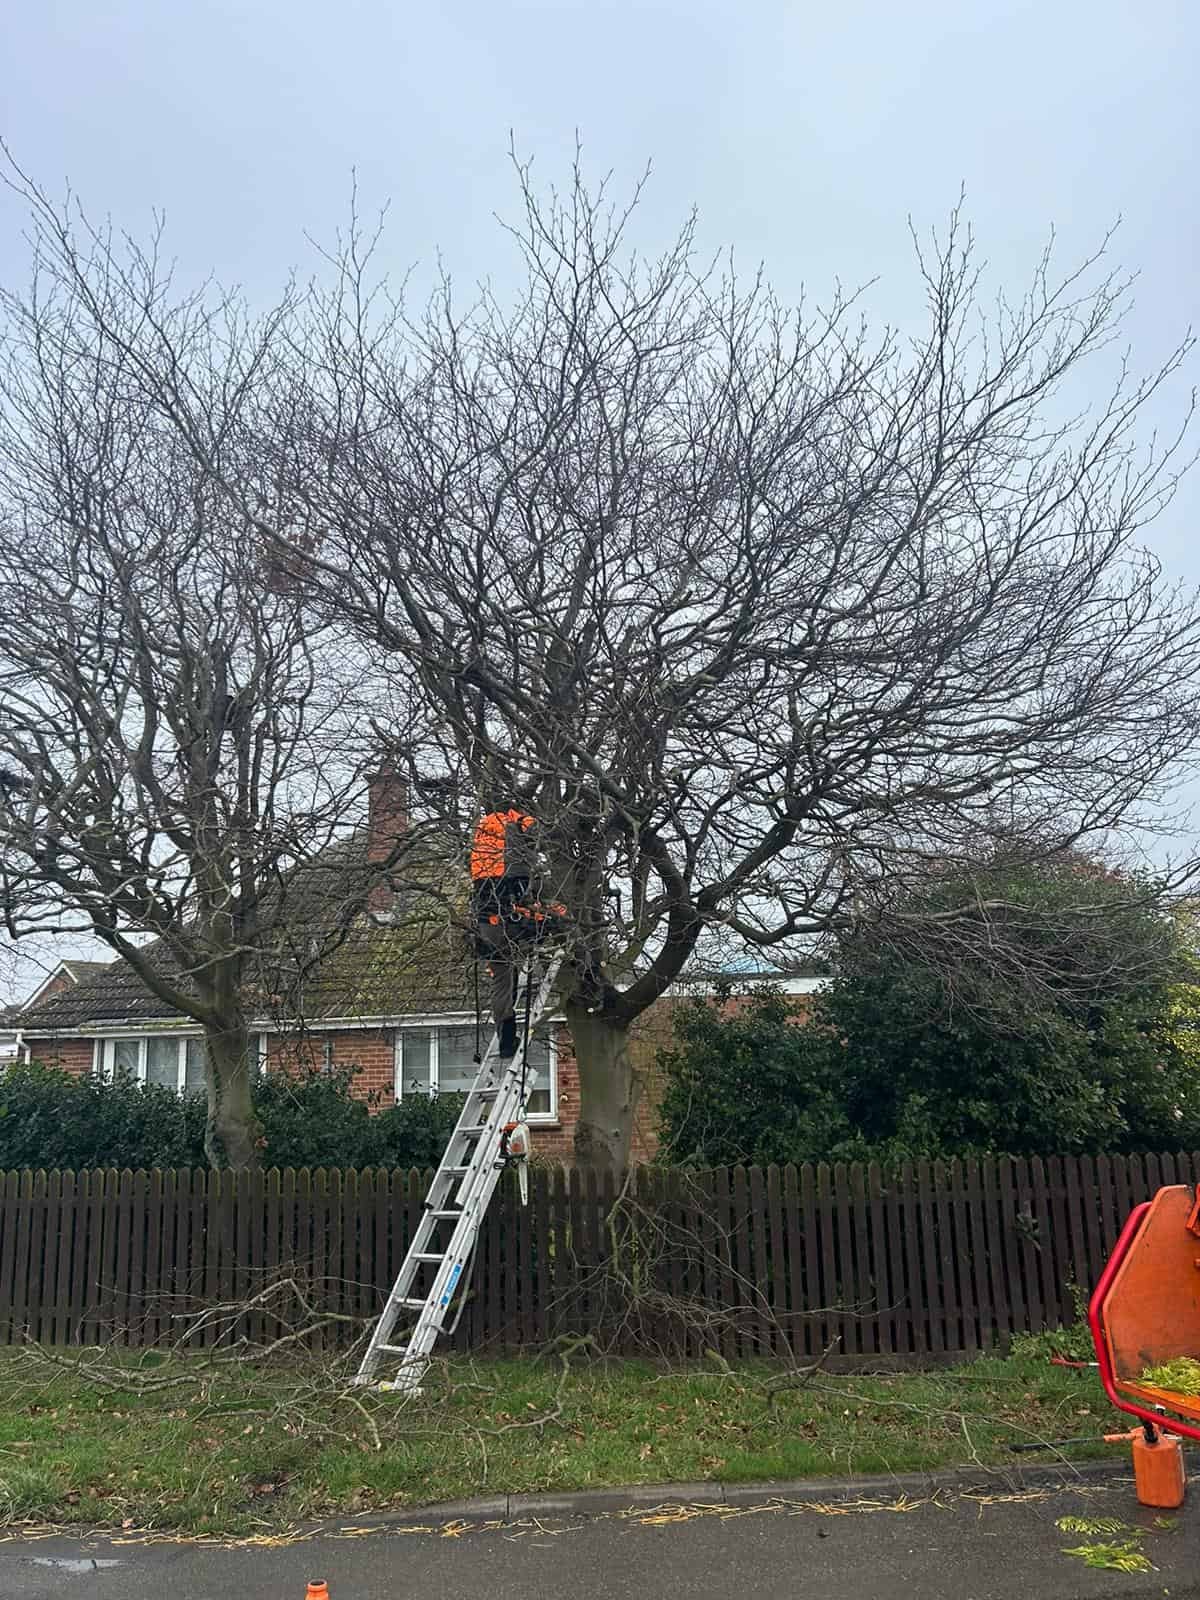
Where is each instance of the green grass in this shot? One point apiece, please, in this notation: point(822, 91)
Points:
point(235, 1449)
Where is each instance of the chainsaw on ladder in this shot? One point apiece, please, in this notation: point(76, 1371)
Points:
point(491, 1134)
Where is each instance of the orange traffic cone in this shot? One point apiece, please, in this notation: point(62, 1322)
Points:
point(317, 1591)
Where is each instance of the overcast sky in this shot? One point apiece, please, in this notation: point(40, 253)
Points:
point(805, 134)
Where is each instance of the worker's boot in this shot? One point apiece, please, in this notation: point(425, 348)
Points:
point(508, 1037)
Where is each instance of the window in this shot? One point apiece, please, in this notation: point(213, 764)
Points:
point(194, 1077)
point(439, 1060)
point(162, 1062)
point(174, 1061)
point(125, 1057)
point(415, 1057)
point(541, 1101)
point(456, 1068)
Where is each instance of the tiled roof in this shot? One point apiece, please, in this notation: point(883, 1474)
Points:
point(84, 969)
point(110, 993)
point(415, 962)
point(411, 962)
point(421, 965)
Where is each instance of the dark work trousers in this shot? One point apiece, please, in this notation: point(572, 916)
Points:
point(501, 941)
point(502, 964)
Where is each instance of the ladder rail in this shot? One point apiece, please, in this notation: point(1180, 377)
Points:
point(466, 1179)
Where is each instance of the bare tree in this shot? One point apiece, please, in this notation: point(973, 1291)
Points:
point(757, 613)
point(179, 741)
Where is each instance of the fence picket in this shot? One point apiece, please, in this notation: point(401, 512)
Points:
point(927, 1261)
point(560, 1211)
point(152, 1273)
point(1100, 1210)
point(21, 1256)
point(63, 1332)
point(1030, 1227)
point(929, 1283)
point(779, 1338)
point(42, 1285)
point(1057, 1243)
point(1124, 1181)
point(963, 1265)
point(980, 1260)
point(725, 1245)
point(135, 1311)
point(950, 1294)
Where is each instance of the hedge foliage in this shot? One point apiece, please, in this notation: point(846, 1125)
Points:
point(51, 1119)
point(1086, 1038)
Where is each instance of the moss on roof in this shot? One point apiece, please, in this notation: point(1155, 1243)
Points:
point(323, 957)
point(421, 965)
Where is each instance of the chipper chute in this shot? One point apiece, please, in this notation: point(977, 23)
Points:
point(1145, 1312)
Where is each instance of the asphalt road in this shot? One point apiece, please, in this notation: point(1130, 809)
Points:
point(957, 1547)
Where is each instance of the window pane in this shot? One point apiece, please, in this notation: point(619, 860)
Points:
point(195, 1080)
point(162, 1062)
point(124, 1057)
point(414, 1062)
point(537, 1096)
point(456, 1065)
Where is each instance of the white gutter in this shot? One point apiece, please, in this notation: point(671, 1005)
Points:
point(105, 1026)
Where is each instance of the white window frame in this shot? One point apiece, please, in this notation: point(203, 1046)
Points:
point(432, 1029)
point(103, 1056)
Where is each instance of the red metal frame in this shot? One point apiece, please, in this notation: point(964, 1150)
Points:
point(1103, 1359)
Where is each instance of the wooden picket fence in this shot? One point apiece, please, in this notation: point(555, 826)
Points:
point(931, 1261)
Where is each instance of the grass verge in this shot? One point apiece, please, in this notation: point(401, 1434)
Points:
point(236, 1448)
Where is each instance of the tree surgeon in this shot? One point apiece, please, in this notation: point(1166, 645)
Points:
point(509, 915)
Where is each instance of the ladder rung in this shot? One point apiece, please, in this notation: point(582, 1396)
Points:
point(468, 1176)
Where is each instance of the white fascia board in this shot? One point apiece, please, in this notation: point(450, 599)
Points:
point(740, 982)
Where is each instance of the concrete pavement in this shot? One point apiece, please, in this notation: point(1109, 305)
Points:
point(989, 1543)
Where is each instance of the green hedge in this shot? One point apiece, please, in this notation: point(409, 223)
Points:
point(52, 1120)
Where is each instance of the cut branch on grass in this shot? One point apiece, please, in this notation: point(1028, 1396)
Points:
point(286, 1300)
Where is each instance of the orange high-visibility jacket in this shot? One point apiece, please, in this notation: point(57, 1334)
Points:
point(501, 848)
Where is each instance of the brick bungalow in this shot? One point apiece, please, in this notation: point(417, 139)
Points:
point(399, 1012)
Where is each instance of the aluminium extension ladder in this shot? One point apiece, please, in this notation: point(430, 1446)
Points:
point(444, 1241)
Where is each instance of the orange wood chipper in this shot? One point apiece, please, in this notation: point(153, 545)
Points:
point(1144, 1314)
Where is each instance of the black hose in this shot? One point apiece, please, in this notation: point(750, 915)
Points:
point(1056, 1444)
point(477, 1057)
point(525, 1047)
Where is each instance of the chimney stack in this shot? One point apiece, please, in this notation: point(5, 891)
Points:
point(387, 795)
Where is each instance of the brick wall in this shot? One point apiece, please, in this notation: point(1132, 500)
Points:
point(371, 1051)
point(69, 1055)
point(59, 982)
point(557, 1142)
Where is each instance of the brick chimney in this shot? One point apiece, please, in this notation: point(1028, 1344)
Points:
point(387, 797)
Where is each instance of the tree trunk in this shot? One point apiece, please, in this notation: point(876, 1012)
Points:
point(233, 1131)
point(608, 1089)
